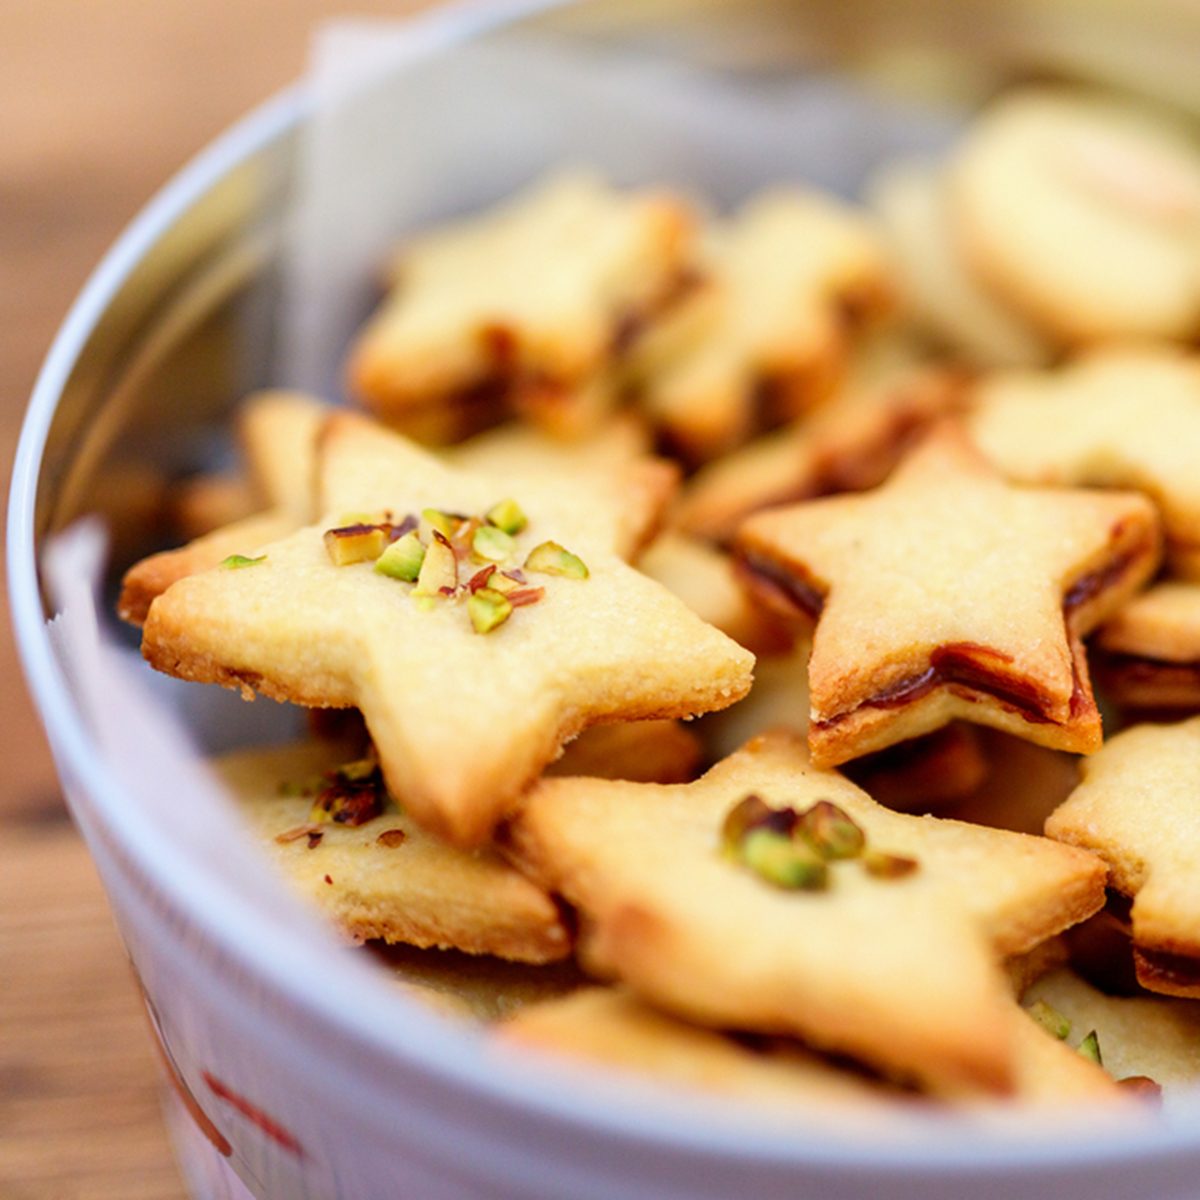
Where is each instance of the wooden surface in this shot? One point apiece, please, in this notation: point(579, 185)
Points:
point(100, 101)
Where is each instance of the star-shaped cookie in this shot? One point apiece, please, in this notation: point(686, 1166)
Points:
point(466, 696)
point(613, 1029)
point(787, 278)
point(1139, 1036)
point(949, 592)
point(385, 877)
point(891, 393)
point(901, 972)
point(1137, 808)
point(280, 432)
point(1149, 652)
point(530, 297)
point(1122, 417)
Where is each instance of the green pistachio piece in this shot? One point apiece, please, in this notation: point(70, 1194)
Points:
point(888, 866)
point(350, 544)
point(831, 832)
point(1090, 1048)
point(488, 609)
point(492, 544)
point(357, 770)
point(748, 812)
point(402, 559)
point(552, 559)
point(433, 518)
point(508, 515)
point(1050, 1019)
point(439, 570)
point(235, 562)
point(784, 862)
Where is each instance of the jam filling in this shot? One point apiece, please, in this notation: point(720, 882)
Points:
point(1149, 680)
point(780, 586)
point(1163, 967)
point(1088, 586)
point(631, 323)
point(962, 665)
point(958, 665)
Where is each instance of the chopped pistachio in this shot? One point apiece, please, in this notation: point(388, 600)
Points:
point(350, 544)
point(503, 581)
point(402, 559)
point(425, 603)
point(888, 866)
point(1090, 1048)
point(492, 544)
point(783, 861)
point(488, 609)
point(357, 770)
point(748, 812)
point(439, 570)
point(235, 562)
point(1050, 1019)
point(445, 523)
point(552, 559)
point(832, 832)
point(508, 516)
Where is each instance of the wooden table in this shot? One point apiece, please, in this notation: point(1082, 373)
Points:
point(100, 100)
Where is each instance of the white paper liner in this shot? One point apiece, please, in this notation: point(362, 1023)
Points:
point(167, 784)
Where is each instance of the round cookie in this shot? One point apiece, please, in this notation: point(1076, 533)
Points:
point(1083, 211)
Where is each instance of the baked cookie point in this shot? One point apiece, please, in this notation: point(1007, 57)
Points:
point(948, 592)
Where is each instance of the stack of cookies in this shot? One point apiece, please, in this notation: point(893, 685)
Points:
point(872, 491)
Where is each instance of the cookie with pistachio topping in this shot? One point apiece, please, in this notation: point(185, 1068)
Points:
point(527, 303)
point(341, 840)
point(898, 968)
point(610, 466)
point(788, 280)
point(949, 592)
point(1082, 210)
point(1136, 808)
point(1150, 1045)
point(463, 720)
